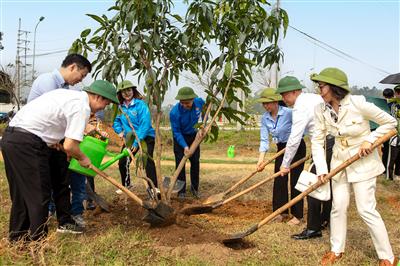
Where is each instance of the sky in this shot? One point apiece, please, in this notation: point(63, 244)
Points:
point(366, 30)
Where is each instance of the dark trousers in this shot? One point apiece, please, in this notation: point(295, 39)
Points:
point(26, 160)
point(385, 153)
point(280, 188)
point(319, 211)
point(60, 182)
point(150, 167)
point(393, 161)
point(194, 163)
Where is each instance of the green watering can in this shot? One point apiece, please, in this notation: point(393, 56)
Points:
point(231, 151)
point(95, 150)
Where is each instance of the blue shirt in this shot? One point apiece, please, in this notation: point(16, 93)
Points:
point(279, 129)
point(139, 115)
point(47, 82)
point(183, 120)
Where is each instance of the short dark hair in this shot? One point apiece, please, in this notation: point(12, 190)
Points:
point(77, 59)
point(337, 92)
point(397, 88)
point(388, 93)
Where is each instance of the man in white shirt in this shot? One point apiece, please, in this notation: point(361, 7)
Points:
point(26, 147)
point(73, 70)
point(303, 122)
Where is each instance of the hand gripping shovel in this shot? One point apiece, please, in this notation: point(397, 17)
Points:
point(220, 196)
point(199, 209)
point(236, 238)
point(159, 214)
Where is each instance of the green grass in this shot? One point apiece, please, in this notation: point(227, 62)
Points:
point(112, 242)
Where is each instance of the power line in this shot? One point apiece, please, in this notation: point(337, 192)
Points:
point(339, 51)
point(49, 53)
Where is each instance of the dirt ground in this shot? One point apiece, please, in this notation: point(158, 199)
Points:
point(121, 237)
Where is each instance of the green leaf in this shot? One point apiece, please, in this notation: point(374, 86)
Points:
point(85, 33)
point(228, 69)
point(97, 18)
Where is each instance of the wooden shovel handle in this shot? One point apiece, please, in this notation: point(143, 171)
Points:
point(241, 181)
point(294, 165)
point(331, 174)
point(118, 185)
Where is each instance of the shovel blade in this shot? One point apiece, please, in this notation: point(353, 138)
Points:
point(214, 198)
point(159, 214)
point(179, 184)
point(97, 198)
point(196, 209)
point(164, 210)
point(237, 238)
point(153, 219)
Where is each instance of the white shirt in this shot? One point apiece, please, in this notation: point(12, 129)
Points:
point(55, 115)
point(303, 122)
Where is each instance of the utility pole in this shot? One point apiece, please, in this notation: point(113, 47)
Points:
point(22, 48)
point(17, 62)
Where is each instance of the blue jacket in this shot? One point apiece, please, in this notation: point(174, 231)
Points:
point(183, 120)
point(139, 114)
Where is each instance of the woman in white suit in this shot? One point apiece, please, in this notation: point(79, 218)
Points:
point(346, 117)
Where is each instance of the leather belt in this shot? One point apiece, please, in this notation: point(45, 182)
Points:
point(17, 129)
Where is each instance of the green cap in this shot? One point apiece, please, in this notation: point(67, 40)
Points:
point(289, 83)
point(269, 95)
point(126, 84)
point(185, 93)
point(334, 76)
point(103, 88)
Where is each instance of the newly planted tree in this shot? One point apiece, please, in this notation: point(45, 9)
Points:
point(146, 39)
point(246, 35)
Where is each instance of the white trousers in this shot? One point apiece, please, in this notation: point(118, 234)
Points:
point(364, 192)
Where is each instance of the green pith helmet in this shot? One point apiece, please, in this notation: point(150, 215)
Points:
point(126, 84)
point(103, 88)
point(332, 75)
point(269, 95)
point(185, 93)
point(289, 83)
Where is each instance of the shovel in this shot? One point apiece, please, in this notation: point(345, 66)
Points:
point(158, 213)
point(220, 196)
point(236, 238)
point(97, 198)
point(179, 184)
point(199, 209)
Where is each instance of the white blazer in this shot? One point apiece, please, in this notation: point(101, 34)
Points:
point(351, 129)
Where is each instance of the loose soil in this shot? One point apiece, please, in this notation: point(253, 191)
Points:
point(187, 230)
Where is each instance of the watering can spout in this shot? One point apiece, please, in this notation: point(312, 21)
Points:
point(114, 158)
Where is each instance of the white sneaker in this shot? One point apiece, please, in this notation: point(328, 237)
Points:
point(118, 191)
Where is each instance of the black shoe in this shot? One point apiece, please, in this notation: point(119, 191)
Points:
point(70, 228)
point(307, 234)
point(181, 195)
point(195, 193)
